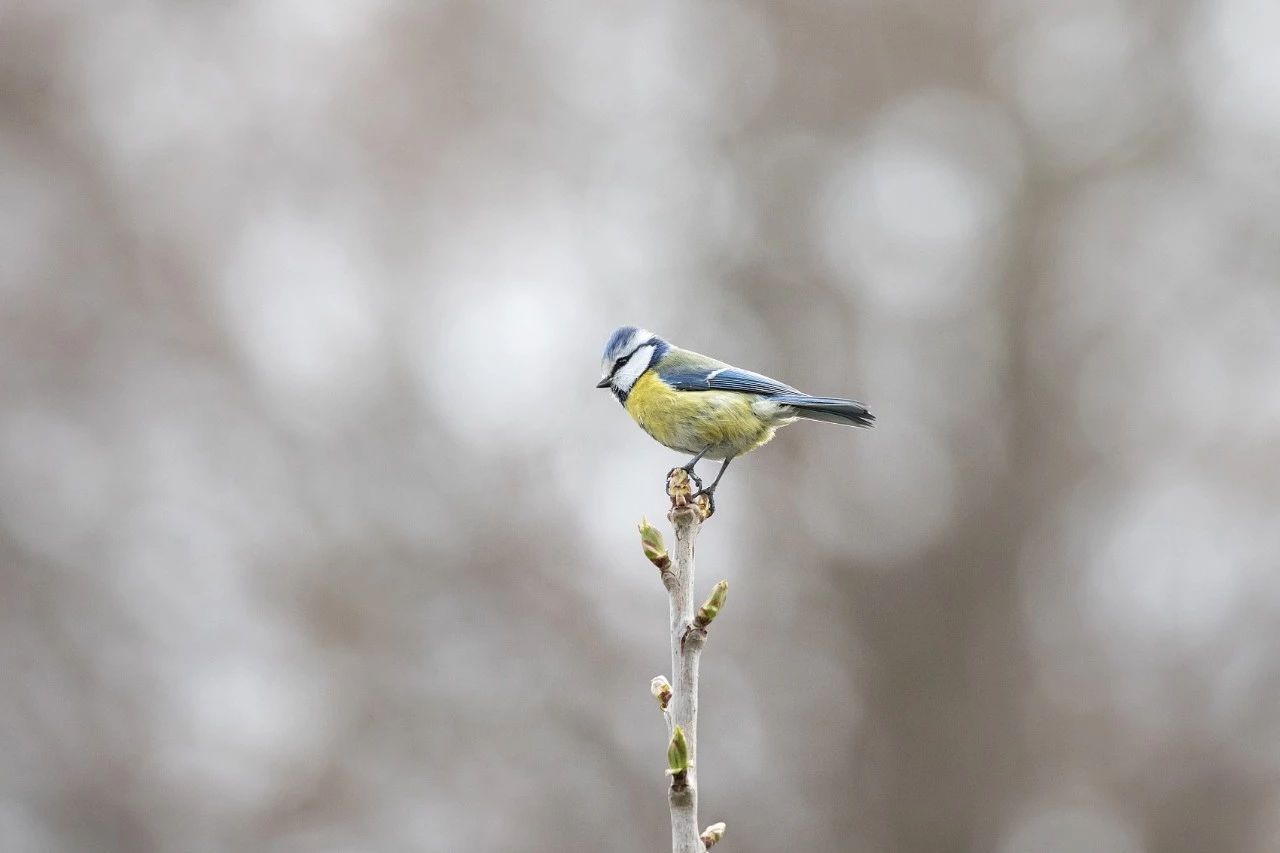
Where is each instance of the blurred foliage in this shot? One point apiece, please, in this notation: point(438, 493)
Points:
point(309, 513)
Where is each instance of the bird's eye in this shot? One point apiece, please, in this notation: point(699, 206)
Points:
point(617, 363)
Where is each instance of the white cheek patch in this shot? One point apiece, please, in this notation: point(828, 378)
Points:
point(630, 372)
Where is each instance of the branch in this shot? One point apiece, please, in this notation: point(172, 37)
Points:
point(679, 703)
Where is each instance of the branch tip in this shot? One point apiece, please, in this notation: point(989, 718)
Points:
point(679, 488)
point(712, 834)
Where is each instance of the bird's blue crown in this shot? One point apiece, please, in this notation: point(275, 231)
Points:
point(624, 340)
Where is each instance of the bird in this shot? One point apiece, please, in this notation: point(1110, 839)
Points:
point(695, 404)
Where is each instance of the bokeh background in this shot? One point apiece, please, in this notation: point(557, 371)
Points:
point(315, 536)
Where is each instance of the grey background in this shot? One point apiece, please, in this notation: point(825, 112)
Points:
point(314, 535)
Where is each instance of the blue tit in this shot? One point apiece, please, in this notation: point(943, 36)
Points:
point(695, 404)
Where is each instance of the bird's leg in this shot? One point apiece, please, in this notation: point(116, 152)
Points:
point(709, 491)
point(723, 465)
point(688, 467)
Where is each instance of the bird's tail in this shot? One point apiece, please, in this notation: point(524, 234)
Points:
point(833, 410)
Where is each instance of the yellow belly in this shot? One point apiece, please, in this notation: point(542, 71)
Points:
point(729, 423)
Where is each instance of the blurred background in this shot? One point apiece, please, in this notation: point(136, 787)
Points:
point(315, 536)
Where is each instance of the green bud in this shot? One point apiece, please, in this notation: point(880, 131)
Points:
point(654, 548)
point(677, 753)
point(661, 690)
point(712, 605)
point(712, 834)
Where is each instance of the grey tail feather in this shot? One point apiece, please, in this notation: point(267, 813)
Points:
point(833, 410)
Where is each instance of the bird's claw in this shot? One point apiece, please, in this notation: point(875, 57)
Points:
point(704, 501)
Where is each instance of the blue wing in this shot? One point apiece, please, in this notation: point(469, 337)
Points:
point(705, 374)
point(689, 371)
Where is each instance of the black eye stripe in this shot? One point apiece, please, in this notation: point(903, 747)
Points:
point(621, 360)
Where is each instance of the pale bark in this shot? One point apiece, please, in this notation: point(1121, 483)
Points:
point(687, 641)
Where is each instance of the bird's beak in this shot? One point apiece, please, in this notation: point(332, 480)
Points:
point(603, 383)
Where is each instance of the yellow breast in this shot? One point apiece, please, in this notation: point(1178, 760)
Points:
point(691, 421)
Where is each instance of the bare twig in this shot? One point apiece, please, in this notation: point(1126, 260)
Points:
point(679, 702)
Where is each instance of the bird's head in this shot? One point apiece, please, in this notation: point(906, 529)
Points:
point(628, 353)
